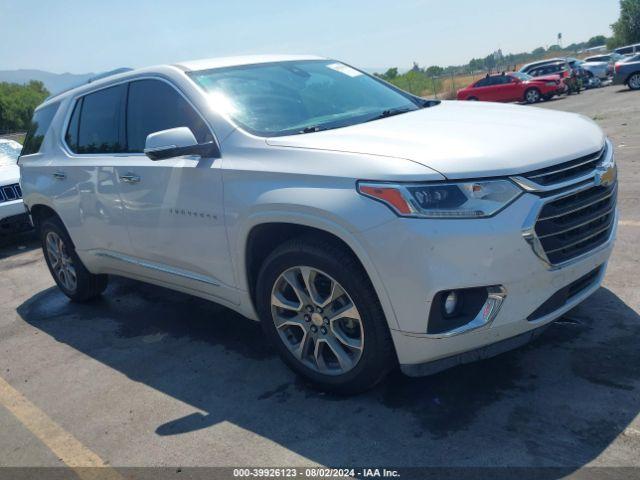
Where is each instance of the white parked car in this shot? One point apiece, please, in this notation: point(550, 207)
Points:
point(13, 216)
point(363, 226)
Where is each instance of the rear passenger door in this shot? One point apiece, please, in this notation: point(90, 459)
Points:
point(173, 207)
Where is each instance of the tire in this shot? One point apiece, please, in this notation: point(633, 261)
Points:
point(532, 96)
point(634, 81)
point(472, 99)
point(65, 264)
point(323, 262)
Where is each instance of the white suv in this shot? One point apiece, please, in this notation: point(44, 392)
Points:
point(13, 217)
point(363, 226)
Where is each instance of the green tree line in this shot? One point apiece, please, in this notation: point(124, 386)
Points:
point(425, 81)
point(627, 29)
point(17, 103)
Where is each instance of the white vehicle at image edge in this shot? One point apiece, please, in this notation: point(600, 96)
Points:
point(364, 227)
point(13, 217)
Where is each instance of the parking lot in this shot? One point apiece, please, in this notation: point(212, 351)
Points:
point(150, 377)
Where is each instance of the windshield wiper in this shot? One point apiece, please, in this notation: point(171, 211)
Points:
point(391, 112)
point(312, 128)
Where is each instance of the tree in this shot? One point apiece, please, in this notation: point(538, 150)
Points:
point(490, 61)
point(538, 51)
point(627, 29)
point(434, 71)
point(554, 48)
point(391, 73)
point(17, 103)
point(596, 41)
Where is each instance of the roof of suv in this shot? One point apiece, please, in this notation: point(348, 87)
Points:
point(221, 62)
point(187, 66)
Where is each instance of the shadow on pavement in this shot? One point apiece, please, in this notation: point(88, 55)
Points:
point(14, 244)
point(560, 401)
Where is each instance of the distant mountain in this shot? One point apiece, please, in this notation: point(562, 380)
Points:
point(55, 82)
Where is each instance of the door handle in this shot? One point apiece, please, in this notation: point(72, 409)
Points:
point(59, 175)
point(130, 178)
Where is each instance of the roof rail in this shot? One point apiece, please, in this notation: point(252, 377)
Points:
point(92, 79)
point(109, 73)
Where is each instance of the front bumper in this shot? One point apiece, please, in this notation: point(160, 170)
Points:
point(13, 217)
point(619, 79)
point(416, 258)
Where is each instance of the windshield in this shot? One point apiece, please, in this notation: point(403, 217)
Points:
point(9, 152)
point(284, 98)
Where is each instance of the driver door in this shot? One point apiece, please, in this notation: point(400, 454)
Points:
point(173, 207)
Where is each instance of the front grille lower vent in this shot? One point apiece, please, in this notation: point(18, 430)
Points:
point(10, 192)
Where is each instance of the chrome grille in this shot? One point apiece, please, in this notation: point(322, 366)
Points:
point(576, 210)
point(575, 224)
point(568, 171)
point(10, 192)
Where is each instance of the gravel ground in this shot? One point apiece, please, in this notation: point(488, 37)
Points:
point(150, 377)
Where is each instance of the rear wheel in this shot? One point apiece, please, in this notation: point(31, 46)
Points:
point(634, 81)
point(532, 95)
point(318, 307)
point(66, 268)
point(472, 99)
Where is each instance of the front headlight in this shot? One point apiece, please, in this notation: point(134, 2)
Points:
point(476, 199)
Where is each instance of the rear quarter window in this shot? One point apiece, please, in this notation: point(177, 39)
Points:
point(38, 128)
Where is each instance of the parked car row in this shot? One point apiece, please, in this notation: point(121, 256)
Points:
point(544, 79)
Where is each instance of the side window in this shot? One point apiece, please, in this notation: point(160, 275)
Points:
point(154, 105)
point(38, 128)
point(482, 83)
point(101, 119)
point(71, 137)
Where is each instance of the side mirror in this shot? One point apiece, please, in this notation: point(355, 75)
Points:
point(177, 142)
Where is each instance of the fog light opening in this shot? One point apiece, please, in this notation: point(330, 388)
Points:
point(452, 303)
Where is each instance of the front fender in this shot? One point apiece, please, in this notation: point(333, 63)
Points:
point(314, 218)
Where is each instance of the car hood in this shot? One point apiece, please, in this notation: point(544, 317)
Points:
point(465, 139)
point(9, 174)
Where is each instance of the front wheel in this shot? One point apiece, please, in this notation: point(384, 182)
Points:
point(634, 81)
point(66, 268)
point(318, 307)
point(532, 96)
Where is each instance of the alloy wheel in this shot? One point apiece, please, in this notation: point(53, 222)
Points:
point(61, 262)
point(317, 320)
point(533, 96)
point(634, 81)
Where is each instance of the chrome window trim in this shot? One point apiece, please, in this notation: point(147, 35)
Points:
point(72, 100)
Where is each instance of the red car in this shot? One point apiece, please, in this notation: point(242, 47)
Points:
point(513, 87)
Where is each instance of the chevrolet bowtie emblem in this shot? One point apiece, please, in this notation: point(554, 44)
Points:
point(605, 176)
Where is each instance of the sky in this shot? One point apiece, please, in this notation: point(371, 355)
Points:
point(80, 36)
